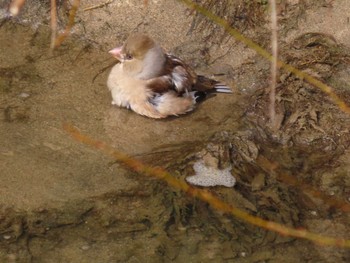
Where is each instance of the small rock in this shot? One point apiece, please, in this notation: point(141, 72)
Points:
point(85, 247)
point(24, 95)
point(6, 237)
point(211, 176)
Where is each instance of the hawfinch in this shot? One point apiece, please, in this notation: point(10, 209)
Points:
point(153, 83)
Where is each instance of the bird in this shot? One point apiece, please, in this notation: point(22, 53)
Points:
point(154, 83)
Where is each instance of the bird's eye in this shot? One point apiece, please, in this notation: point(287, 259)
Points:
point(128, 57)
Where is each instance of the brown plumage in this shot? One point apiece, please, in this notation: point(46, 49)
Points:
point(153, 83)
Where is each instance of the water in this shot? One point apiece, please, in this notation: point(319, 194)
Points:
point(62, 201)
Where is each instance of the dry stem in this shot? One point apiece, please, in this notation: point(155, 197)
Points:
point(302, 75)
point(203, 195)
point(272, 110)
point(16, 6)
point(53, 23)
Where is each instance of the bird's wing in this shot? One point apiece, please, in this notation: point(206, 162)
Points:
point(160, 84)
point(176, 76)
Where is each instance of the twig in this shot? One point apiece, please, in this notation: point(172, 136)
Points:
point(102, 70)
point(203, 195)
point(272, 110)
point(302, 75)
point(61, 37)
point(98, 6)
point(16, 6)
point(53, 23)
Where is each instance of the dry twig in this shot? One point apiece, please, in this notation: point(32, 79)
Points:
point(16, 6)
point(272, 110)
point(98, 5)
point(61, 37)
point(203, 195)
point(53, 23)
point(302, 75)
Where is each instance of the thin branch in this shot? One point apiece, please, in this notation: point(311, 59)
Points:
point(272, 110)
point(16, 6)
point(98, 5)
point(53, 23)
point(302, 75)
point(61, 37)
point(201, 194)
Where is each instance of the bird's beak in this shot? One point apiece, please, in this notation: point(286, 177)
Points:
point(117, 53)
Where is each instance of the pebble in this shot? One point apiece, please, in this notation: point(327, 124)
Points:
point(210, 176)
point(24, 95)
point(6, 237)
point(243, 254)
point(85, 247)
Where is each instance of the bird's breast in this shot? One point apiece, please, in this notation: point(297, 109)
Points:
point(125, 89)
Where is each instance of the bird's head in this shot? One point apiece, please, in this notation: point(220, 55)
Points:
point(141, 56)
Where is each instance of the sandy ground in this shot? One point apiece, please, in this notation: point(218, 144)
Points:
point(61, 201)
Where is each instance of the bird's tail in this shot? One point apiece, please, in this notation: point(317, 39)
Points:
point(206, 87)
point(199, 96)
point(220, 88)
point(210, 85)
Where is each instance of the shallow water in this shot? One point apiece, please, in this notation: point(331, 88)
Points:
point(65, 202)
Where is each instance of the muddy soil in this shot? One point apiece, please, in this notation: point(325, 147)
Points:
point(61, 201)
